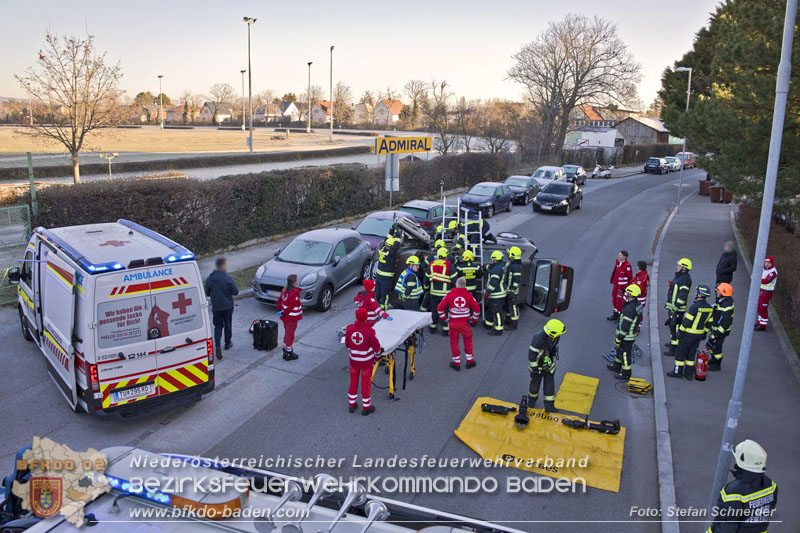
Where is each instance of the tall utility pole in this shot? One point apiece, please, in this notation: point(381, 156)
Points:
point(688, 94)
point(249, 21)
point(243, 121)
point(160, 101)
point(767, 199)
point(308, 95)
point(330, 134)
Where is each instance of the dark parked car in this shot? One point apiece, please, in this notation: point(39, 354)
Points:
point(523, 188)
point(657, 165)
point(575, 174)
point(325, 261)
point(559, 197)
point(428, 214)
point(488, 197)
point(376, 226)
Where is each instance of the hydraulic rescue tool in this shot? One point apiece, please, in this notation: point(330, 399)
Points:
point(521, 420)
point(605, 426)
point(497, 409)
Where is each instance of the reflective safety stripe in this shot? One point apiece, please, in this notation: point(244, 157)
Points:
point(769, 286)
point(699, 323)
point(744, 498)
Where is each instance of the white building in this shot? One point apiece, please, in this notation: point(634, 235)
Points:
point(387, 112)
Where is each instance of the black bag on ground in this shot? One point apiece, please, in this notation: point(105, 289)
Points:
point(265, 334)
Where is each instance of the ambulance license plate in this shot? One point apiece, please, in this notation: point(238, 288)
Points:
point(135, 392)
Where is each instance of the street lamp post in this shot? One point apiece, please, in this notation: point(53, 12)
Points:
point(330, 133)
point(688, 94)
point(249, 21)
point(243, 123)
point(160, 104)
point(109, 156)
point(308, 97)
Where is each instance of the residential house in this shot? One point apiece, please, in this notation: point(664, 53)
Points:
point(643, 130)
point(206, 114)
point(586, 115)
point(362, 113)
point(268, 113)
point(387, 112)
point(175, 114)
point(593, 137)
point(289, 111)
point(321, 112)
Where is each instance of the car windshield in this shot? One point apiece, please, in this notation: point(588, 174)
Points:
point(546, 174)
point(557, 188)
point(415, 211)
point(482, 190)
point(653, 160)
point(682, 156)
point(306, 252)
point(377, 227)
point(517, 182)
point(570, 169)
point(671, 159)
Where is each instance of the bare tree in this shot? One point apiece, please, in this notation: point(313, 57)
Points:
point(496, 124)
point(263, 98)
point(192, 103)
point(417, 93)
point(220, 95)
point(575, 61)
point(368, 98)
point(74, 93)
point(342, 100)
point(437, 110)
point(464, 119)
point(316, 94)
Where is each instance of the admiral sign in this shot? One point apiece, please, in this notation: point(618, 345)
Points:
point(402, 145)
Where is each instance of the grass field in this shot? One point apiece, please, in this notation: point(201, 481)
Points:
point(156, 140)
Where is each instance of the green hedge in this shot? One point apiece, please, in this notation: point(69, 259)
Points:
point(209, 215)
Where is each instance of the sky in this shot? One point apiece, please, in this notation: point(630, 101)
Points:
point(378, 44)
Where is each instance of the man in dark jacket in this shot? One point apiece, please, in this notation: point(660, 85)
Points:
point(221, 288)
point(727, 264)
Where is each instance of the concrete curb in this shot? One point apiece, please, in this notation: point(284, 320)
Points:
point(244, 293)
point(783, 338)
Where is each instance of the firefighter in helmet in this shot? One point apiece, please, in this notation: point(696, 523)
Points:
point(628, 323)
point(496, 294)
point(409, 286)
point(513, 282)
point(542, 356)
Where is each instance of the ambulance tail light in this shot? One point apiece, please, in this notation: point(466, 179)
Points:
point(210, 350)
point(94, 379)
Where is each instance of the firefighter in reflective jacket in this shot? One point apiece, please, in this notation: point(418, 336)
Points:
point(409, 286)
point(747, 503)
point(721, 321)
point(677, 301)
point(384, 273)
point(460, 310)
point(628, 323)
point(424, 268)
point(513, 280)
point(364, 347)
point(542, 355)
point(496, 294)
point(440, 275)
point(696, 323)
point(470, 270)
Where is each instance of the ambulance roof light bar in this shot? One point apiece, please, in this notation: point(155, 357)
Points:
point(181, 253)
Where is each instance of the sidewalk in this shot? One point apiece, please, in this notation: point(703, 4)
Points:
point(697, 410)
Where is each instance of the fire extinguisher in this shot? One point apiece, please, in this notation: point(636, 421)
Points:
point(700, 366)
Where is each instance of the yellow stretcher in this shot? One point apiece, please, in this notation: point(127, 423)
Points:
point(546, 446)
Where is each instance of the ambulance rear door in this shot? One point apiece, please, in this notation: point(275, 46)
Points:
point(179, 324)
point(125, 355)
point(58, 321)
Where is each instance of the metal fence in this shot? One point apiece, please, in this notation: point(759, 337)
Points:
point(15, 226)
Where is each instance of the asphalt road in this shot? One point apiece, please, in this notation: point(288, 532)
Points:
point(265, 406)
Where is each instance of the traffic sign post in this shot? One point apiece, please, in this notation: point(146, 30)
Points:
point(392, 175)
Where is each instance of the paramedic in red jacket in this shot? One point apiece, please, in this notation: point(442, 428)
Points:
point(621, 277)
point(459, 308)
point(642, 280)
point(290, 312)
point(364, 347)
point(769, 276)
point(366, 299)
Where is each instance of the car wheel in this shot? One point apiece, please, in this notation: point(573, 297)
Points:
point(525, 199)
point(566, 211)
point(26, 332)
point(365, 270)
point(325, 299)
point(490, 211)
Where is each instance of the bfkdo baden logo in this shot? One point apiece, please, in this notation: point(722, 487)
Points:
point(46, 494)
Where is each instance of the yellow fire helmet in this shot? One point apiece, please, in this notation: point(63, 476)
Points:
point(633, 290)
point(497, 255)
point(442, 252)
point(453, 224)
point(467, 255)
point(412, 260)
point(554, 328)
point(514, 253)
point(685, 263)
point(439, 244)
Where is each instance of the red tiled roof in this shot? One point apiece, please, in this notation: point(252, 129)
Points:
point(590, 112)
point(394, 106)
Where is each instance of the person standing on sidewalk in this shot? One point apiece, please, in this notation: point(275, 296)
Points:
point(768, 279)
point(221, 288)
point(677, 301)
point(628, 324)
point(721, 321)
point(726, 265)
point(642, 280)
point(621, 277)
point(694, 326)
point(460, 309)
point(747, 503)
point(364, 347)
point(290, 311)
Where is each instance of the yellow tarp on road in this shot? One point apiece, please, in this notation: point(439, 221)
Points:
point(576, 393)
point(546, 446)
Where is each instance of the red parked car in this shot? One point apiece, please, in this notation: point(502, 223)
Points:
point(689, 159)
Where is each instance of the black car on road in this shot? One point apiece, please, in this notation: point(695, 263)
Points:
point(559, 197)
point(488, 197)
point(575, 174)
point(657, 165)
point(428, 214)
point(523, 188)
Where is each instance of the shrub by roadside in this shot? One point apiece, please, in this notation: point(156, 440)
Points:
point(210, 215)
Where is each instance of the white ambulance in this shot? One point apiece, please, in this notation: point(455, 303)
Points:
point(120, 314)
